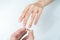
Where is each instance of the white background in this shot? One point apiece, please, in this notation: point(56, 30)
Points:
point(48, 27)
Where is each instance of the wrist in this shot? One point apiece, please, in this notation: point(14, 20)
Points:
point(38, 4)
point(44, 2)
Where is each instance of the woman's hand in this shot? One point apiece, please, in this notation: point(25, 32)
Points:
point(34, 10)
point(20, 33)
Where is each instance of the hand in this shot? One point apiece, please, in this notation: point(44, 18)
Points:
point(20, 33)
point(34, 10)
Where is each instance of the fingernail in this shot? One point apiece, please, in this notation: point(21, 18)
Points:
point(34, 23)
point(24, 24)
point(23, 27)
point(19, 20)
point(29, 26)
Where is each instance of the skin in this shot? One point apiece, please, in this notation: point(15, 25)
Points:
point(34, 10)
point(20, 33)
point(35, 13)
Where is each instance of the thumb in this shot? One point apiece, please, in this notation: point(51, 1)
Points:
point(30, 35)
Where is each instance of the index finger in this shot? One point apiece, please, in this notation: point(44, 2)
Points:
point(24, 13)
point(19, 33)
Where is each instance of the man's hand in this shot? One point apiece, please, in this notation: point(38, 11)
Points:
point(20, 33)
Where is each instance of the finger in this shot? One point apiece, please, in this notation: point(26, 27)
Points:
point(19, 33)
point(37, 16)
point(24, 13)
point(30, 35)
point(27, 15)
point(32, 17)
